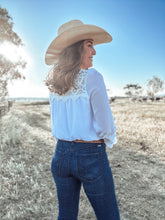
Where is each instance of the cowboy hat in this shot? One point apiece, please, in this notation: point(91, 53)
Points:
point(72, 32)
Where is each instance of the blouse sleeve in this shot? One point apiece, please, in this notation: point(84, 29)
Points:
point(103, 118)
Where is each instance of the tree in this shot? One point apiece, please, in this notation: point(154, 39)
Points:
point(133, 89)
point(9, 71)
point(154, 86)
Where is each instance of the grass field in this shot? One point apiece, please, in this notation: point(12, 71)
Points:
point(137, 161)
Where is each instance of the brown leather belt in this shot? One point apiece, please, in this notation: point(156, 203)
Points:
point(82, 141)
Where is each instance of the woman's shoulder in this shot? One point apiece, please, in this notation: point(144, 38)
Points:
point(94, 72)
point(94, 80)
point(94, 75)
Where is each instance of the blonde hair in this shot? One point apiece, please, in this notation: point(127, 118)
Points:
point(62, 76)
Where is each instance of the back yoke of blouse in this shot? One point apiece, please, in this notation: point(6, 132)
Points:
point(83, 113)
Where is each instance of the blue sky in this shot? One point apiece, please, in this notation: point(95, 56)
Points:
point(137, 51)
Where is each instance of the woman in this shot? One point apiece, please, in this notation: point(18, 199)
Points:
point(82, 122)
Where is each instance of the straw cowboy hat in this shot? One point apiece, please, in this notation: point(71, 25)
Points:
point(72, 32)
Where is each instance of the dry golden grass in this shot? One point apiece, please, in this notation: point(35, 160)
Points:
point(138, 163)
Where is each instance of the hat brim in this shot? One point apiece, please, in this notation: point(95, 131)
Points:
point(73, 35)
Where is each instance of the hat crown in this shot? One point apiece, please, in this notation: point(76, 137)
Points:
point(66, 26)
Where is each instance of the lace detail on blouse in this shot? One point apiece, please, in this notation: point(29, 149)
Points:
point(74, 93)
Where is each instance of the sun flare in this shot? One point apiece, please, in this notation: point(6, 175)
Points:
point(13, 52)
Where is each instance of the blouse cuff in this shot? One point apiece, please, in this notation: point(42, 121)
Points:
point(111, 140)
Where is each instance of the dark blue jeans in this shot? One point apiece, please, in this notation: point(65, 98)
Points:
point(74, 164)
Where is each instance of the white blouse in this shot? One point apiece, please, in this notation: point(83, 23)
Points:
point(83, 113)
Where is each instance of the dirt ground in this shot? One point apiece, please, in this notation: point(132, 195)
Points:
point(137, 161)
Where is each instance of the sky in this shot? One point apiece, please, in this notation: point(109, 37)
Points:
point(135, 55)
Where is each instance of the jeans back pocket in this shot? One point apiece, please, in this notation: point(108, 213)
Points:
point(90, 166)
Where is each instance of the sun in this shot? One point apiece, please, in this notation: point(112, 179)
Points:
point(13, 53)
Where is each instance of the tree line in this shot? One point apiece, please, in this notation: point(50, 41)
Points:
point(154, 86)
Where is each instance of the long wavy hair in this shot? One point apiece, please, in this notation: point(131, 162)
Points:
point(62, 76)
